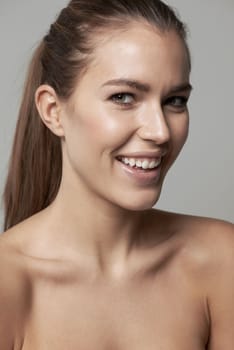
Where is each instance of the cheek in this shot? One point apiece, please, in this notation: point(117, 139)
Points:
point(94, 132)
point(106, 131)
point(179, 132)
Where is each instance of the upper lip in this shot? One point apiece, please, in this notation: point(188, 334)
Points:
point(144, 154)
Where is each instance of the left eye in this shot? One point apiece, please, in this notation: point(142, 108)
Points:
point(123, 98)
point(177, 101)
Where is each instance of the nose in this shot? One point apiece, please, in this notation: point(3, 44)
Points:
point(153, 126)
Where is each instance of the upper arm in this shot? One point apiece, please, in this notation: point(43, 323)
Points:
point(220, 284)
point(11, 305)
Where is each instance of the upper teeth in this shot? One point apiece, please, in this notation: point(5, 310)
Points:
point(145, 163)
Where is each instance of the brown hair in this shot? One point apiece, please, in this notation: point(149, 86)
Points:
point(35, 168)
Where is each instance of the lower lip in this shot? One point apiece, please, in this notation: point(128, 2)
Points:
point(141, 176)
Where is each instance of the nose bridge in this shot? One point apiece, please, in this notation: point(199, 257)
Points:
point(154, 125)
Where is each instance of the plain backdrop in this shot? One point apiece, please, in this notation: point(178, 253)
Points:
point(201, 182)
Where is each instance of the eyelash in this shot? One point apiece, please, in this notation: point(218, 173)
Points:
point(117, 97)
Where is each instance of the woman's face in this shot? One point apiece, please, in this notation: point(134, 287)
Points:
point(129, 107)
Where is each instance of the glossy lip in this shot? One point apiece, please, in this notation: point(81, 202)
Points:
point(140, 176)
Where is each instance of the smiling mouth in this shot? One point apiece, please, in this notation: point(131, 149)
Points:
point(146, 164)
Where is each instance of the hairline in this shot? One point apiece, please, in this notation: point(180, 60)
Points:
point(100, 37)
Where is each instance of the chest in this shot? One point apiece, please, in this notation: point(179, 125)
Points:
point(141, 316)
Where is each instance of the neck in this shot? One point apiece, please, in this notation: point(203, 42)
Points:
point(95, 228)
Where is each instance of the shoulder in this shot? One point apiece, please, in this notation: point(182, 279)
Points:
point(206, 244)
point(214, 246)
point(208, 256)
point(210, 240)
point(13, 295)
point(211, 232)
point(215, 237)
point(197, 228)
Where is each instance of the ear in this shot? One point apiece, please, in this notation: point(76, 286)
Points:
point(49, 108)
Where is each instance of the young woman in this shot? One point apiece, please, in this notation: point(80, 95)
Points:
point(85, 262)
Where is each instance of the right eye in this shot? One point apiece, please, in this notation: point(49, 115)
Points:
point(123, 98)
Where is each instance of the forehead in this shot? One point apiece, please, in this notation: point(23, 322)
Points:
point(141, 52)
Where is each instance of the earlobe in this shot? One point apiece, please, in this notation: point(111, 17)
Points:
point(49, 108)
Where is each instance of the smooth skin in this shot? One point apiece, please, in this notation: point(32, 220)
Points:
point(99, 269)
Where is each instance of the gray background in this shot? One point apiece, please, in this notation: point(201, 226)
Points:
point(202, 180)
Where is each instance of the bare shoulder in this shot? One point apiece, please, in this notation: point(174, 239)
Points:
point(207, 244)
point(13, 296)
point(214, 237)
point(213, 242)
point(211, 230)
point(214, 246)
point(207, 254)
point(201, 230)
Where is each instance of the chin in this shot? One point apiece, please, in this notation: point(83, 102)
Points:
point(140, 202)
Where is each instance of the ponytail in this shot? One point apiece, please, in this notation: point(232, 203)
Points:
point(35, 165)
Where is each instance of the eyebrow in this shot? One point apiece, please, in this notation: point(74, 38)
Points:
point(145, 87)
point(181, 87)
point(130, 83)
